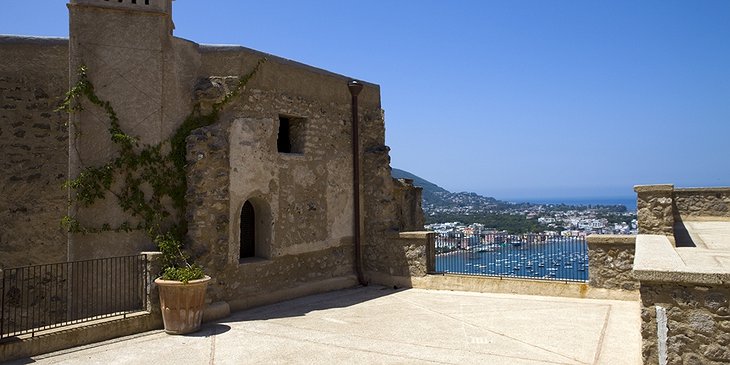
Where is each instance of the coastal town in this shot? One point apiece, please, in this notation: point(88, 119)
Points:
point(529, 232)
point(470, 214)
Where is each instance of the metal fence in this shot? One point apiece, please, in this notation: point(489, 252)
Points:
point(41, 297)
point(533, 256)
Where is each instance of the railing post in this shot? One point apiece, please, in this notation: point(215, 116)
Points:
point(431, 252)
point(655, 209)
point(153, 266)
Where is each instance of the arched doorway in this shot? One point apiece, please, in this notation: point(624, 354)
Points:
point(248, 230)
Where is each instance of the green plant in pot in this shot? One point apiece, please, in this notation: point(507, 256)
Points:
point(182, 287)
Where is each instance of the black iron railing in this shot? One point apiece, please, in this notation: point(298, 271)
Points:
point(533, 256)
point(41, 297)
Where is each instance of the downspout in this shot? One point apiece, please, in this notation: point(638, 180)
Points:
point(355, 88)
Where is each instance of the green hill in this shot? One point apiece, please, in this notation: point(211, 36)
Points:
point(436, 197)
point(418, 181)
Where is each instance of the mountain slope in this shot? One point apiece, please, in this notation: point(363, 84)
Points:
point(436, 197)
point(418, 181)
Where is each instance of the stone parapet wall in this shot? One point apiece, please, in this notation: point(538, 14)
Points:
point(701, 202)
point(611, 260)
point(407, 255)
point(655, 212)
point(660, 208)
point(697, 323)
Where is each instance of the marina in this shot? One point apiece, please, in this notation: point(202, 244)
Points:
point(528, 256)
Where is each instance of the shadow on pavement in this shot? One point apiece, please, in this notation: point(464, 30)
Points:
point(301, 306)
point(210, 329)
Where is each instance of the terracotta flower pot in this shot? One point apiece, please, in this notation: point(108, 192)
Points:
point(182, 304)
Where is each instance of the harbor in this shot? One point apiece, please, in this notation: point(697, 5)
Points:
point(527, 256)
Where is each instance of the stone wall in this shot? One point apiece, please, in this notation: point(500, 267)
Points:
point(611, 259)
point(701, 202)
point(34, 299)
point(661, 206)
point(303, 200)
point(34, 145)
point(406, 255)
point(207, 196)
point(409, 200)
point(655, 209)
point(697, 323)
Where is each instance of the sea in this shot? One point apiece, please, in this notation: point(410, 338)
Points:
point(628, 202)
point(557, 258)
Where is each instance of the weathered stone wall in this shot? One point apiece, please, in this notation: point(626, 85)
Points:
point(697, 323)
point(207, 197)
point(405, 255)
point(303, 201)
point(34, 145)
point(701, 202)
point(34, 299)
point(390, 209)
point(611, 259)
point(655, 209)
point(409, 200)
point(305, 198)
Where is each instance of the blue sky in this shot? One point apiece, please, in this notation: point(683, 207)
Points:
point(512, 99)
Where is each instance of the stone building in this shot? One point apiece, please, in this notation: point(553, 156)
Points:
point(270, 197)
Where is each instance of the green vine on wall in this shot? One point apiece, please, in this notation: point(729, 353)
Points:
point(149, 182)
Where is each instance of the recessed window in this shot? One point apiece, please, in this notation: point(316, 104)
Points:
point(291, 135)
point(248, 231)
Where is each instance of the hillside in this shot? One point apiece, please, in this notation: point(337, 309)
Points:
point(429, 188)
point(436, 197)
point(441, 205)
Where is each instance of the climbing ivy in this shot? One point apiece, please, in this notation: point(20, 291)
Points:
point(149, 183)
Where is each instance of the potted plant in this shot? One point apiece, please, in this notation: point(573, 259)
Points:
point(182, 288)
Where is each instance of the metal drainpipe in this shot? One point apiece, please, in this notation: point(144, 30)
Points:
point(355, 88)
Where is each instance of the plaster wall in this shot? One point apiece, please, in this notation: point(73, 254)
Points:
point(124, 54)
point(146, 75)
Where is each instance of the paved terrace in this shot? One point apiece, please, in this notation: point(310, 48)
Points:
point(376, 325)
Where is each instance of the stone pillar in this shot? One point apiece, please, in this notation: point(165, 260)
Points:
point(655, 209)
point(611, 260)
point(431, 252)
point(154, 267)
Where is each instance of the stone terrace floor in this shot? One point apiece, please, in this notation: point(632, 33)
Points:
point(376, 325)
